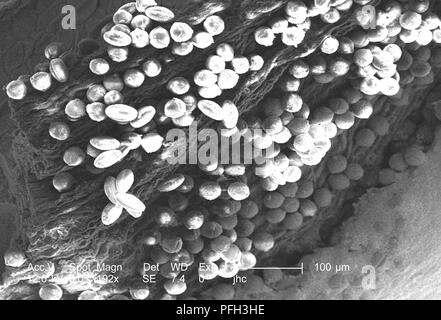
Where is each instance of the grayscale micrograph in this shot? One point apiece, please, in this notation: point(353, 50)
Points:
point(203, 150)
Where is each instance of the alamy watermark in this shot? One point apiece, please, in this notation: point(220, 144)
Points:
point(69, 20)
point(369, 280)
point(208, 146)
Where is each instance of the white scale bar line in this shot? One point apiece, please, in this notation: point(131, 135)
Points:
point(276, 268)
point(279, 268)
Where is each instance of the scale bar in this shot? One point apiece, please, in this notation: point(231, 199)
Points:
point(279, 268)
point(276, 268)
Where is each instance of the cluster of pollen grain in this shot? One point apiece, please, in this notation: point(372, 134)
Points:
point(218, 214)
